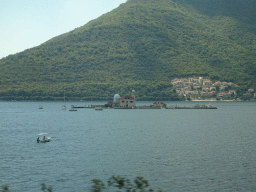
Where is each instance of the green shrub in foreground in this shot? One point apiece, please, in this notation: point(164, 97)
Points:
point(122, 183)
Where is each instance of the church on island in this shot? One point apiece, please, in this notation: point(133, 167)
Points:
point(124, 102)
point(128, 102)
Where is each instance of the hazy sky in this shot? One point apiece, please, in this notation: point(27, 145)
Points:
point(28, 23)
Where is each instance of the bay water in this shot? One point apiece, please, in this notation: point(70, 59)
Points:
point(174, 149)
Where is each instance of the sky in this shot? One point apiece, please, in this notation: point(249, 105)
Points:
point(28, 23)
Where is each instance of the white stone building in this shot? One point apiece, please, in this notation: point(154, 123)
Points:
point(127, 101)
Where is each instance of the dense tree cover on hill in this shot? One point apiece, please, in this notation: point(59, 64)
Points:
point(140, 45)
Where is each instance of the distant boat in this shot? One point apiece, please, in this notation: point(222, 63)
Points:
point(41, 107)
point(99, 108)
point(72, 109)
point(64, 106)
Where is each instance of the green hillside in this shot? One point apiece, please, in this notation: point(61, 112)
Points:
point(140, 45)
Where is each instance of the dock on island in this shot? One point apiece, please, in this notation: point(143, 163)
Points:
point(195, 107)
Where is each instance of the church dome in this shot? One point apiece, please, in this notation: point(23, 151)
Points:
point(117, 96)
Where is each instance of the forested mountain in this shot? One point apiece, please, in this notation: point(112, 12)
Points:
point(140, 45)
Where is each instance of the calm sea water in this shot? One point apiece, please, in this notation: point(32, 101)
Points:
point(175, 150)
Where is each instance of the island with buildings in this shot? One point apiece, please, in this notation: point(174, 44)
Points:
point(129, 102)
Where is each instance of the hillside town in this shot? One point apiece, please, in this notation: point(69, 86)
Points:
point(199, 88)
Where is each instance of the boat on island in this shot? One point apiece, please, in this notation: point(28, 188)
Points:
point(44, 139)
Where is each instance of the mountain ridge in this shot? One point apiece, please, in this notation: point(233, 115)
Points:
point(139, 45)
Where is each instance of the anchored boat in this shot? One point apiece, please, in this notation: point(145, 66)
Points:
point(43, 139)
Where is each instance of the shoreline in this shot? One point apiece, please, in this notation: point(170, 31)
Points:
point(214, 100)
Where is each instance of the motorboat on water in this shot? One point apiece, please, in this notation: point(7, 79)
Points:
point(99, 108)
point(72, 109)
point(44, 139)
point(41, 107)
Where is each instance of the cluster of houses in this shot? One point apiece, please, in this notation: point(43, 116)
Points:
point(199, 87)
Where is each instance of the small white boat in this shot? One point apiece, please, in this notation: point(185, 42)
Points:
point(72, 109)
point(64, 106)
point(41, 107)
point(44, 139)
point(99, 108)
